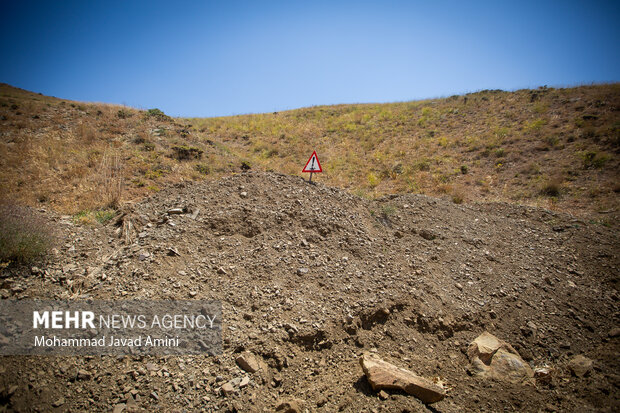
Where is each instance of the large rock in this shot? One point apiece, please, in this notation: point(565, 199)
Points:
point(580, 365)
point(494, 358)
point(247, 361)
point(383, 375)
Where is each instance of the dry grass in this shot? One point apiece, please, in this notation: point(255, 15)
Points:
point(489, 145)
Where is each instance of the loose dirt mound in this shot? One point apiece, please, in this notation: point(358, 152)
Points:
point(311, 277)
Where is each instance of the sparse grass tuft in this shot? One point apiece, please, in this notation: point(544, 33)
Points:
point(24, 237)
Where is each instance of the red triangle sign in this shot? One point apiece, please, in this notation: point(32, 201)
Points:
point(313, 164)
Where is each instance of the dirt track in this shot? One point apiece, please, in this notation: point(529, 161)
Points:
point(311, 277)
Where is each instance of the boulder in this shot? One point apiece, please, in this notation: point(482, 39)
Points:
point(580, 365)
point(247, 361)
point(385, 376)
point(494, 358)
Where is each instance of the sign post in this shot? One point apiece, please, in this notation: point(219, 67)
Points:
point(313, 165)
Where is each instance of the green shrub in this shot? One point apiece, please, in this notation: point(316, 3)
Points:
point(89, 217)
point(24, 236)
point(157, 114)
point(187, 152)
point(591, 159)
point(202, 168)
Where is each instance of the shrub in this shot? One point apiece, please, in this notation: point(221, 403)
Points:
point(157, 114)
point(124, 114)
point(187, 152)
point(23, 235)
point(88, 217)
point(464, 169)
point(591, 159)
point(110, 176)
point(551, 188)
point(202, 168)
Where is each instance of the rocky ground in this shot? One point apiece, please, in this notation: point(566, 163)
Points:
point(311, 278)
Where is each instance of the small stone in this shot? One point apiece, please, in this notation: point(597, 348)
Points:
point(244, 382)
point(193, 293)
point(144, 255)
point(580, 366)
point(543, 375)
point(247, 361)
point(302, 271)
point(290, 406)
point(172, 252)
point(119, 408)
point(155, 395)
point(221, 271)
point(152, 367)
point(243, 194)
point(175, 211)
point(227, 389)
point(59, 402)
point(83, 375)
point(614, 332)
point(383, 395)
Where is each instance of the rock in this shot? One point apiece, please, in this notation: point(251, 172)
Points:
point(36, 271)
point(175, 211)
point(144, 255)
point(243, 194)
point(302, 271)
point(152, 367)
point(58, 402)
point(119, 408)
point(543, 375)
point(580, 366)
point(245, 381)
point(83, 375)
point(221, 271)
point(383, 375)
point(172, 252)
point(494, 358)
point(383, 395)
point(614, 332)
point(247, 361)
point(227, 388)
point(290, 406)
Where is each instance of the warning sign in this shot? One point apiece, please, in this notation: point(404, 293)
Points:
point(313, 164)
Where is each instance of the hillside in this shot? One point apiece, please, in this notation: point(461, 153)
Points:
point(310, 278)
point(556, 148)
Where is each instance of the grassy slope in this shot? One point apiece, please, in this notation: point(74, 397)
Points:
point(552, 147)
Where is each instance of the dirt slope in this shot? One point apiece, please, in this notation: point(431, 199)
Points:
point(310, 277)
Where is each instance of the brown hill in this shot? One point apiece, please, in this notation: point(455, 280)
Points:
point(556, 148)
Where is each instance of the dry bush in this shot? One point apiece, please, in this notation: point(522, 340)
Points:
point(86, 133)
point(111, 179)
point(24, 236)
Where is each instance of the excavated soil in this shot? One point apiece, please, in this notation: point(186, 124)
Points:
point(311, 277)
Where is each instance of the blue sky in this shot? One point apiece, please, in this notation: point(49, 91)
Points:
point(208, 58)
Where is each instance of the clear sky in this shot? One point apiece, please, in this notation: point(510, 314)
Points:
point(208, 58)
